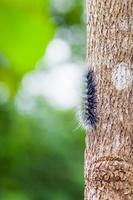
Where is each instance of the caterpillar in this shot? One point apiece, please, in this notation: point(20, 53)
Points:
point(87, 109)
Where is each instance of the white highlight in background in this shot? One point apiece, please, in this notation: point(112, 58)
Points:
point(60, 86)
point(57, 52)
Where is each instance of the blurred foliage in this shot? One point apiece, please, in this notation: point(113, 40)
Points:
point(37, 161)
point(41, 156)
point(26, 29)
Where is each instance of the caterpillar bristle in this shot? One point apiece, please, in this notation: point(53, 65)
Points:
point(87, 110)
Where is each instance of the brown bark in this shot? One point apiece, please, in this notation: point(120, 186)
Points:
point(109, 148)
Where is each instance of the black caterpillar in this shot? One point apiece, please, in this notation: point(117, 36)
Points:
point(88, 104)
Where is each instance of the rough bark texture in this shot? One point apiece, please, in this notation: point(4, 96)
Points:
point(109, 148)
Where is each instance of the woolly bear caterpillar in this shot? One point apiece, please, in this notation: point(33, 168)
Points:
point(87, 110)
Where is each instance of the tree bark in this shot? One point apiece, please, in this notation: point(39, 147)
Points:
point(109, 148)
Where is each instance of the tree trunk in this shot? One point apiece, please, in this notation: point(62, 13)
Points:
point(109, 148)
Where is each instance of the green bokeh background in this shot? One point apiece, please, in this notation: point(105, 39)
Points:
point(38, 161)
